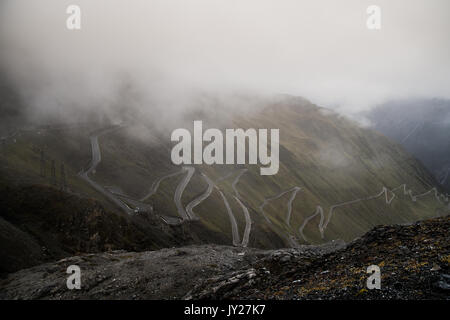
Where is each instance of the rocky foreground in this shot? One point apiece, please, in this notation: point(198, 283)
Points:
point(414, 261)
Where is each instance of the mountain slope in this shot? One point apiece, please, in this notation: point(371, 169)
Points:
point(40, 224)
point(414, 264)
point(414, 261)
point(422, 127)
point(336, 179)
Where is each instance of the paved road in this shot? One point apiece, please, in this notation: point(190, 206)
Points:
point(319, 210)
point(291, 199)
point(248, 219)
point(385, 191)
point(248, 223)
point(96, 159)
point(200, 198)
point(139, 205)
point(267, 200)
point(171, 220)
point(233, 222)
point(234, 228)
point(412, 131)
point(156, 184)
point(179, 192)
point(188, 214)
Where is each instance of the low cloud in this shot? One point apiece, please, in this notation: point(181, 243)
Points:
point(159, 55)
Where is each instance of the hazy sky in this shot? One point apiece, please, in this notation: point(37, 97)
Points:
point(319, 49)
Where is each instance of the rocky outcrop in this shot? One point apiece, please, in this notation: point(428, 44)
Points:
point(414, 261)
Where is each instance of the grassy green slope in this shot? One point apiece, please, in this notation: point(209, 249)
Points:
point(330, 158)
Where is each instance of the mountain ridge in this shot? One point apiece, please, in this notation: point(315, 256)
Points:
point(336, 179)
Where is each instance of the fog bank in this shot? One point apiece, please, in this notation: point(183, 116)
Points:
point(157, 54)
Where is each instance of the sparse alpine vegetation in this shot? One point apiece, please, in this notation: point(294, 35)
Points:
point(414, 260)
point(336, 180)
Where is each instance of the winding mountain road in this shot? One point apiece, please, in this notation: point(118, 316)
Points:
point(188, 214)
point(96, 159)
point(248, 223)
point(319, 210)
point(136, 203)
point(155, 185)
point(291, 199)
point(201, 198)
point(412, 131)
point(267, 200)
point(233, 222)
point(385, 191)
point(179, 192)
point(234, 228)
point(248, 219)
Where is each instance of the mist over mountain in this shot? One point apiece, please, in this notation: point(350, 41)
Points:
point(168, 50)
point(336, 179)
point(421, 126)
point(86, 124)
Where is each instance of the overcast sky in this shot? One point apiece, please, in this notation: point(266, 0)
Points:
point(319, 49)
